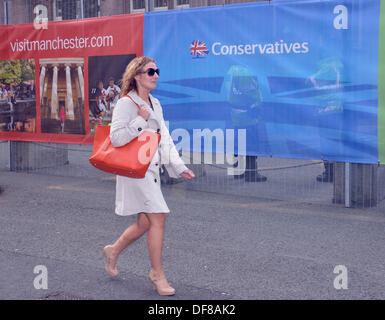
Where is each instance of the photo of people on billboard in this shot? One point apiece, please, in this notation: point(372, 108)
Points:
point(104, 77)
point(17, 96)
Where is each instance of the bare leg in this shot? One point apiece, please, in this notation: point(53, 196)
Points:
point(132, 233)
point(155, 245)
point(155, 239)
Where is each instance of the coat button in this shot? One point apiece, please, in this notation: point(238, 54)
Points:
point(156, 164)
point(158, 130)
point(155, 180)
point(139, 129)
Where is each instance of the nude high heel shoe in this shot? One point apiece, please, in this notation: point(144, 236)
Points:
point(167, 291)
point(113, 272)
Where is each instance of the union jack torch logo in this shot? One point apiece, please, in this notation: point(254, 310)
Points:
point(198, 49)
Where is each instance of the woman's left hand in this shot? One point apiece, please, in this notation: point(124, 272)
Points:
point(187, 174)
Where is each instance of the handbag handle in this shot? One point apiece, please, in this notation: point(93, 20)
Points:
point(134, 102)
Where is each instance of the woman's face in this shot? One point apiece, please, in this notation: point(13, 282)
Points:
point(144, 81)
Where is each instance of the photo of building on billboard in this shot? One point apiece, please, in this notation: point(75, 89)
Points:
point(105, 73)
point(62, 95)
point(17, 96)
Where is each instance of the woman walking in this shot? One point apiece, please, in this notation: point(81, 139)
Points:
point(143, 196)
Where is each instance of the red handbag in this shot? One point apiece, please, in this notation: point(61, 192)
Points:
point(131, 160)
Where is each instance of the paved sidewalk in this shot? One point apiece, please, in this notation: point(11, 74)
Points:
point(217, 246)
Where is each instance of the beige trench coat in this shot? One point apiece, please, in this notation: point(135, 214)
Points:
point(143, 195)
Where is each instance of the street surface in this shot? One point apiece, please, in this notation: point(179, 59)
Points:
point(217, 246)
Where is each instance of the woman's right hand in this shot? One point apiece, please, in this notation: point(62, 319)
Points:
point(187, 174)
point(144, 113)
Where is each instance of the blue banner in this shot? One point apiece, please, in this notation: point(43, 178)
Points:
point(300, 76)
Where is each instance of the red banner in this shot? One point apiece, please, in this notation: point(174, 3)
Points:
point(57, 83)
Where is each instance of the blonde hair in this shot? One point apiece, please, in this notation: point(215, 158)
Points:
point(133, 68)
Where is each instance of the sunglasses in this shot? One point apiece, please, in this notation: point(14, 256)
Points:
point(151, 71)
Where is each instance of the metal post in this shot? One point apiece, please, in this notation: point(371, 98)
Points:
point(150, 5)
point(6, 11)
point(9, 155)
point(347, 185)
point(81, 9)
